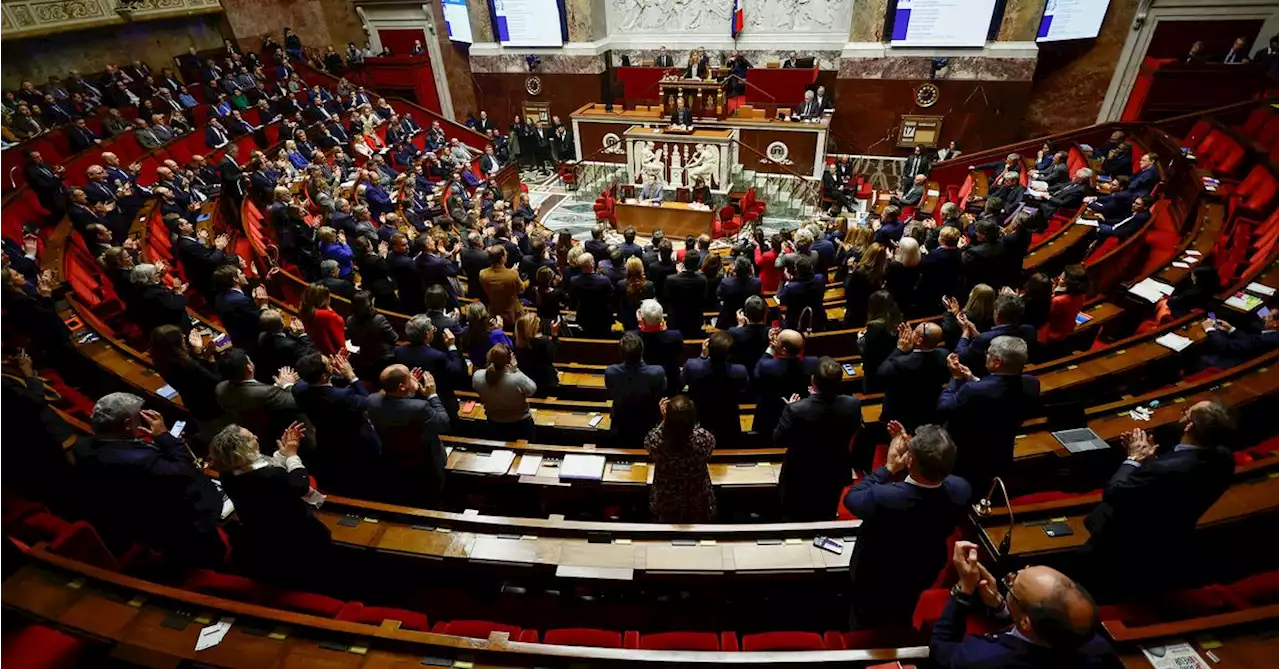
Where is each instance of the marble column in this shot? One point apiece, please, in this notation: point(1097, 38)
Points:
point(1021, 21)
point(481, 24)
point(867, 24)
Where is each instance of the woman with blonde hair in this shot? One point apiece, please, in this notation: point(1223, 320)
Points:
point(866, 277)
point(295, 156)
point(980, 310)
point(631, 291)
point(903, 275)
point(505, 391)
point(537, 352)
point(851, 247)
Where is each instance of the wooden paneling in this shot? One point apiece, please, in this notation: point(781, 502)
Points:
point(800, 149)
point(503, 94)
point(980, 114)
point(592, 136)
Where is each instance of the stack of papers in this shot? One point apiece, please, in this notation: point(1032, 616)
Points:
point(1174, 341)
point(1083, 221)
point(1151, 290)
point(529, 464)
point(582, 467)
point(1244, 301)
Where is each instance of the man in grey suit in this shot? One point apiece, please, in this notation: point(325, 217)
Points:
point(261, 408)
point(912, 196)
point(409, 418)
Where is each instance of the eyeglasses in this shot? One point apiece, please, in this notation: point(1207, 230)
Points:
point(1006, 584)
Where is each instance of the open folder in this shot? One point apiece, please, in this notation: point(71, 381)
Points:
point(582, 467)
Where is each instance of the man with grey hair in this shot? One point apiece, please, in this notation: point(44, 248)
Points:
point(156, 304)
point(1069, 196)
point(150, 493)
point(662, 347)
point(443, 363)
point(329, 279)
point(901, 545)
point(984, 415)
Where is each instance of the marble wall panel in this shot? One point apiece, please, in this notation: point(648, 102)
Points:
point(867, 21)
point(551, 63)
point(826, 59)
point(318, 23)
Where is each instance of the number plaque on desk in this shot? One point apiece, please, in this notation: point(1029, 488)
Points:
point(915, 130)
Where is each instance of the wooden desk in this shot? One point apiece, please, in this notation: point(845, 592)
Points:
point(676, 219)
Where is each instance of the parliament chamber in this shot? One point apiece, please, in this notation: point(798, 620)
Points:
point(386, 343)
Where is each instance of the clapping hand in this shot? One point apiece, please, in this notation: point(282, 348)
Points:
point(286, 377)
point(196, 341)
point(179, 288)
point(23, 361)
point(287, 445)
point(662, 407)
point(970, 330)
point(260, 294)
point(965, 559)
point(448, 338)
point(383, 249)
point(220, 242)
point(906, 338)
point(296, 326)
point(342, 366)
point(496, 322)
point(1138, 445)
point(951, 305)
point(30, 245)
point(417, 373)
point(44, 283)
point(795, 397)
point(899, 452)
point(1007, 290)
point(959, 372)
point(426, 384)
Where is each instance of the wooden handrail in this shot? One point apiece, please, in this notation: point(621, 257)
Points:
point(1118, 631)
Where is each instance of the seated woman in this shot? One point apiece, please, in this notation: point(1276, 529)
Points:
point(333, 246)
point(275, 503)
point(295, 156)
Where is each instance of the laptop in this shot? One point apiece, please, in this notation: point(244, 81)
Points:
point(1069, 426)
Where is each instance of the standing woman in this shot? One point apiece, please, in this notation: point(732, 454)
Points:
point(903, 274)
point(866, 277)
point(681, 490)
point(1037, 299)
point(282, 538)
point(1069, 293)
point(766, 261)
point(631, 291)
point(712, 265)
point(504, 391)
point(980, 310)
point(538, 352)
point(548, 297)
point(481, 334)
point(513, 141)
point(375, 273)
point(880, 338)
point(372, 335)
point(324, 326)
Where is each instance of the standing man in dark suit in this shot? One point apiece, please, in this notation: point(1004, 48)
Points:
point(913, 375)
point(198, 260)
point(941, 270)
point(46, 181)
point(716, 387)
point(484, 124)
point(260, 408)
point(902, 543)
point(1151, 504)
point(818, 433)
point(684, 294)
point(596, 246)
point(984, 415)
point(474, 259)
point(231, 175)
point(751, 334)
point(983, 261)
point(280, 348)
point(592, 295)
point(346, 442)
point(409, 417)
point(682, 116)
point(238, 312)
point(662, 347)
point(664, 58)
point(918, 163)
point(781, 373)
point(734, 290)
point(972, 349)
point(635, 390)
point(1054, 620)
point(444, 363)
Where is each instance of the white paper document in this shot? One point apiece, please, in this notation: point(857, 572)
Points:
point(579, 466)
point(1173, 340)
point(529, 465)
point(499, 461)
point(212, 635)
point(1086, 222)
point(1175, 656)
point(1259, 289)
point(1151, 290)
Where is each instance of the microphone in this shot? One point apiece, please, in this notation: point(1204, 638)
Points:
point(983, 509)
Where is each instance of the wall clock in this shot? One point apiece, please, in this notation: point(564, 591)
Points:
point(533, 85)
point(927, 95)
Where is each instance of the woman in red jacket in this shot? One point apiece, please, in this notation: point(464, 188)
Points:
point(766, 258)
point(325, 327)
point(1069, 292)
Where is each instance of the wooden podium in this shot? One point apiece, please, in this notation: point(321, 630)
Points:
point(705, 97)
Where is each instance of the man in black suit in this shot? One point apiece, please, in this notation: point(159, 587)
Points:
point(473, 259)
point(662, 347)
point(484, 124)
point(1123, 227)
point(335, 401)
point(684, 294)
point(337, 285)
point(1054, 620)
point(592, 296)
point(809, 108)
point(596, 246)
point(80, 136)
point(972, 349)
point(913, 375)
point(983, 261)
point(1151, 504)
point(46, 181)
point(664, 59)
point(409, 417)
point(901, 545)
point(682, 116)
point(629, 247)
point(818, 433)
point(751, 335)
point(635, 389)
point(279, 346)
point(1069, 197)
point(1227, 346)
point(231, 175)
point(238, 312)
point(918, 163)
point(198, 260)
point(443, 362)
point(833, 187)
point(781, 374)
point(824, 101)
point(984, 415)
point(149, 492)
point(941, 269)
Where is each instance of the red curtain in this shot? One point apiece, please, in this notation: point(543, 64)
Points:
point(400, 40)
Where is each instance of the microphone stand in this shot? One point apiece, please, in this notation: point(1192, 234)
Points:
point(983, 509)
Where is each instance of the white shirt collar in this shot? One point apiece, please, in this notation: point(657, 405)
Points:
point(921, 484)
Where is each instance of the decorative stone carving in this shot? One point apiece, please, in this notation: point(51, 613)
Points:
point(23, 18)
point(712, 16)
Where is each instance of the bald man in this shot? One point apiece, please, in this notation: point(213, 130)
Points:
point(913, 376)
point(409, 418)
point(781, 376)
point(1053, 620)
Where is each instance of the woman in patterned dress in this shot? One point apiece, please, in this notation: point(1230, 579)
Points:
point(681, 490)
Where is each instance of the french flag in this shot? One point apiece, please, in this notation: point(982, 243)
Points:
point(735, 19)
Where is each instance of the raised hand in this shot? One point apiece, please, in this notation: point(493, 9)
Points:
point(448, 337)
point(286, 377)
point(906, 338)
point(288, 443)
point(899, 451)
point(196, 341)
point(951, 305)
point(965, 559)
point(1139, 445)
point(959, 372)
point(152, 422)
point(427, 384)
point(742, 318)
point(220, 242)
point(260, 294)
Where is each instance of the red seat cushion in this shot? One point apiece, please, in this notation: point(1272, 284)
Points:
point(882, 638)
point(229, 586)
point(81, 542)
point(476, 629)
point(40, 647)
point(681, 641)
point(1259, 589)
point(355, 612)
point(783, 641)
point(579, 636)
point(1206, 601)
point(41, 526)
point(308, 603)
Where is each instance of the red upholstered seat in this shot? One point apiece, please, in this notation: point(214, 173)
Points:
point(229, 586)
point(40, 526)
point(581, 636)
point(308, 603)
point(708, 641)
point(40, 647)
point(476, 629)
point(355, 612)
point(929, 610)
point(1259, 589)
point(877, 638)
point(81, 542)
point(765, 641)
point(1206, 601)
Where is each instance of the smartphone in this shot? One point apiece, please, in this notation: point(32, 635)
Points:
point(468, 407)
point(848, 369)
point(1213, 317)
point(221, 342)
point(595, 420)
point(828, 544)
point(177, 429)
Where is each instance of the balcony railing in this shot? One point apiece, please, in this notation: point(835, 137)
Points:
point(34, 18)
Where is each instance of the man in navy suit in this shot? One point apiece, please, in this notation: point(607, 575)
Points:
point(984, 415)
point(238, 312)
point(635, 390)
point(1141, 185)
point(942, 269)
point(891, 228)
point(973, 345)
point(1054, 621)
point(662, 347)
point(410, 416)
point(434, 269)
point(1227, 346)
point(682, 116)
point(751, 335)
point(684, 293)
point(913, 375)
point(1151, 504)
point(346, 443)
point(1123, 227)
point(818, 434)
point(199, 261)
point(781, 374)
point(629, 247)
point(716, 387)
point(592, 295)
point(804, 289)
point(906, 520)
point(444, 364)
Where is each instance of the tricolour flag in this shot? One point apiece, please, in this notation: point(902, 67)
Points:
point(735, 19)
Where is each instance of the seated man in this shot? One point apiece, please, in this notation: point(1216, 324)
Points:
point(913, 195)
point(1069, 197)
point(1122, 228)
point(1228, 346)
point(1053, 619)
point(1042, 180)
point(682, 117)
point(652, 190)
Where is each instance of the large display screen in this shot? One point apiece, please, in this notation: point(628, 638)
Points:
point(1071, 19)
point(528, 22)
point(942, 23)
point(457, 20)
